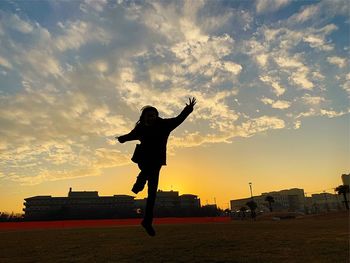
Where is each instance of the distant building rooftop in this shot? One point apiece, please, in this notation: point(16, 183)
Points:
point(38, 197)
point(82, 194)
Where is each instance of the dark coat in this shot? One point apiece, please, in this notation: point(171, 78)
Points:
point(152, 149)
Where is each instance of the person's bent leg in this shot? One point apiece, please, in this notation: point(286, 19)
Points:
point(140, 180)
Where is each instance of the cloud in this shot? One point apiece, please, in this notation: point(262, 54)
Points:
point(96, 5)
point(271, 47)
point(58, 125)
point(50, 176)
point(5, 63)
point(320, 12)
point(205, 56)
point(312, 100)
point(262, 59)
point(20, 25)
point(332, 113)
point(43, 63)
point(90, 165)
point(338, 61)
point(317, 38)
point(307, 13)
point(279, 104)
point(322, 112)
point(289, 62)
point(260, 124)
point(299, 72)
point(277, 88)
point(78, 33)
point(346, 85)
point(267, 6)
point(196, 139)
point(107, 158)
point(300, 79)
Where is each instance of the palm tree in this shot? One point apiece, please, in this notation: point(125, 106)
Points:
point(343, 190)
point(252, 206)
point(270, 200)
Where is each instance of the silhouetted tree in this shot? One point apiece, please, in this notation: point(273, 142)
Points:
point(343, 190)
point(270, 200)
point(6, 217)
point(252, 206)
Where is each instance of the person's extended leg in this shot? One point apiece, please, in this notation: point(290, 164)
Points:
point(140, 180)
point(152, 194)
point(153, 178)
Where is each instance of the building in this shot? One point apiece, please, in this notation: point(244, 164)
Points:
point(189, 201)
point(292, 200)
point(237, 204)
point(284, 200)
point(79, 204)
point(170, 203)
point(88, 204)
point(324, 202)
point(167, 199)
point(345, 179)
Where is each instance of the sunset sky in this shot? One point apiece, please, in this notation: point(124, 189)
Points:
point(271, 78)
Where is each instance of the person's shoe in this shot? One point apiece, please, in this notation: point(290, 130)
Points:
point(149, 229)
point(137, 188)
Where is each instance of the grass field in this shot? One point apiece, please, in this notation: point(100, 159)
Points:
point(310, 239)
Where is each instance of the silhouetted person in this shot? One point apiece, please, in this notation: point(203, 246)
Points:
point(150, 155)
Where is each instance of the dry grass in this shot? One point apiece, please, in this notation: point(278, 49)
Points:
point(317, 239)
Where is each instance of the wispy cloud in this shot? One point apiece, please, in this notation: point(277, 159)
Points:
point(78, 33)
point(279, 104)
point(267, 6)
point(5, 63)
point(19, 24)
point(338, 61)
point(277, 88)
point(320, 11)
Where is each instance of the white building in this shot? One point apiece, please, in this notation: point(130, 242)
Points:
point(284, 200)
point(288, 200)
point(324, 202)
point(346, 179)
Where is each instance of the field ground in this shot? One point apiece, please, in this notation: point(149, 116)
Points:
point(310, 239)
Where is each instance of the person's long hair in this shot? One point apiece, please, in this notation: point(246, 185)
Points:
point(144, 111)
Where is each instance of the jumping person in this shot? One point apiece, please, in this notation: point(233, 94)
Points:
point(150, 155)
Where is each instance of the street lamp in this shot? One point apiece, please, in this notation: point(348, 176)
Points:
point(251, 191)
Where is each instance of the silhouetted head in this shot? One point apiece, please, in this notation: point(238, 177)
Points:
point(148, 116)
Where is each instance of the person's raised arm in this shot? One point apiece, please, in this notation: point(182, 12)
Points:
point(133, 135)
point(174, 122)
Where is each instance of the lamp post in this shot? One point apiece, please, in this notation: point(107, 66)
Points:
point(251, 191)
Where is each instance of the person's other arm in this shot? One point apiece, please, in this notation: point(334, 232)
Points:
point(133, 135)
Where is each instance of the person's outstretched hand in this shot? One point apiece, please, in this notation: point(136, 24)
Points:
point(120, 139)
point(191, 103)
